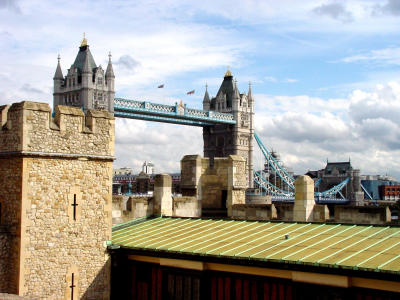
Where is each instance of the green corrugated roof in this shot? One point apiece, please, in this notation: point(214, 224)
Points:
point(374, 248)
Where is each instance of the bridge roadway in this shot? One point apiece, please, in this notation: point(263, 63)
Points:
point(175, 114)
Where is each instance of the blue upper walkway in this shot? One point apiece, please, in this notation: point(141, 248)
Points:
point(176, 114)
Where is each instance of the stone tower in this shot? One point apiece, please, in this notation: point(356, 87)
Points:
point(55, 200)
point(225, 140)
point(86, 85)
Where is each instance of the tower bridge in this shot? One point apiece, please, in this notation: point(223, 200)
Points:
point(227, 119)
point(175, 114)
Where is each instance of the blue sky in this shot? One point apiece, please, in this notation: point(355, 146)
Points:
point(325, 74)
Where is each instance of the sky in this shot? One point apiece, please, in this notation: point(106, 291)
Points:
point(325, 74)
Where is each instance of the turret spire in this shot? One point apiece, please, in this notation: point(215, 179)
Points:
point(250, 94)
point(86, 64)
point(84, 41)
point(206, 100)
point(236, 91)
point(109, 71)
point(58, 74)
point(228, 73)
point(206, 96)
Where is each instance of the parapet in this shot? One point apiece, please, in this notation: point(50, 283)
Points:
point(29, 128)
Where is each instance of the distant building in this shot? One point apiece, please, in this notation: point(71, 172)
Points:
point(335, 173)
point(380, 188)
point(148, 168)
point(86, 85)
point(126, 182)
point(122, 171)
point(390, 192)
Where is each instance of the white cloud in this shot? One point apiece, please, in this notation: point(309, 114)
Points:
point(391, 7)
point(163, 144)
point(335, 11)
point(276, 80)
point(383, 56)
point(270, 79)
point(364, 127)
point(11, 5)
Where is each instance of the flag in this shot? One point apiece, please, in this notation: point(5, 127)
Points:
point(190, 93)
point(160, 86)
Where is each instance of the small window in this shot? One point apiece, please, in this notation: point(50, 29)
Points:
point(100, 80)
point(74, 205)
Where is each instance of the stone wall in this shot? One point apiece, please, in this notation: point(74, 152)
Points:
point(63, 170)
point(362, 214)
point(254, 212)
point(218, 185)
point(163, 195)
point(126, 208)
point(186, 207)
point(320, 213)
point(258, 199)
point(5, 262)
point(118, 206)
point(10, 198)
point(284, 211)
point(138, 207)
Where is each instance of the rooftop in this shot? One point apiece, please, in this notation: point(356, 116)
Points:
point(358, 247)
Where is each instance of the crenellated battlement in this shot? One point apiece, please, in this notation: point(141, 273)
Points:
point(28, 127)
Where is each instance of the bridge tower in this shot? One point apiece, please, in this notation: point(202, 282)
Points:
point(86, 84)
point(237, 139)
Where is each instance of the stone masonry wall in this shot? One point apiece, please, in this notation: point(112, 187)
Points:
point(362, 215)
point(213, 181)
point(216, 186)
point(54, 241)
point(138, 207)
point(10, 198)
point(5, 251)
point(254, 211)
point(30, 127)
point(186, 207)
point(58, 162)
point(227, 174)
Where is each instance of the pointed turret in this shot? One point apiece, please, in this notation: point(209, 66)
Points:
point(110, 77)
point(58, 74)
point(86, 64)
point(109, 71)
point(250, 94)
point(206, 100)
point(236, 94)
point(58, 82)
